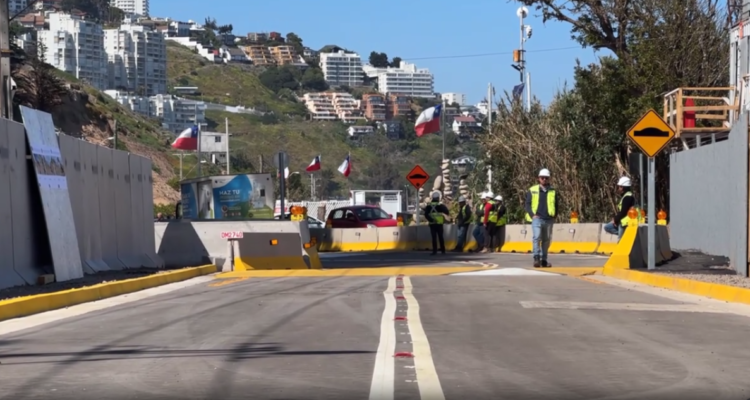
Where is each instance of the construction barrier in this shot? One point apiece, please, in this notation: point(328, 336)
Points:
point(632, 250)
point(273, 244)
point(566, 239)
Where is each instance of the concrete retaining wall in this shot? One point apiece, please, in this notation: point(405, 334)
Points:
point(112, 205)
point(566, 238)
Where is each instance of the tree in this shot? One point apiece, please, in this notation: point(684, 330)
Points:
point(396, 62)
point(328, 185)
point(378, 60)
point(225, 29)
point(277, 78)
point(210, 24)
point(313, 79)
point(295, 41)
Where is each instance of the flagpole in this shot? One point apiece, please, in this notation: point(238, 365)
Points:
point(442, 127)
point(182, 155)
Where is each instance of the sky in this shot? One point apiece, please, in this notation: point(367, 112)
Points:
point(465, 45)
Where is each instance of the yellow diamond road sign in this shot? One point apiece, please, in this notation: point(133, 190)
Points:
point(651, 134)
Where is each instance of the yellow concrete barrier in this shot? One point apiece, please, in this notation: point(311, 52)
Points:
point(628, 253)
point(518, 239)
point(28, 305)
point(607, 243)
point(575, 238)
point(397, 238)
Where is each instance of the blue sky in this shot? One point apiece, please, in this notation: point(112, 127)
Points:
point(432, 34)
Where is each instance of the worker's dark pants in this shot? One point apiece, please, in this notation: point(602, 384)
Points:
point(499, 237)
point(436, 231)
point(489, 236)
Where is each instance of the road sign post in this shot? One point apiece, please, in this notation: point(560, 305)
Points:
point(281, 159)
point(651, 134)
point(417, 177)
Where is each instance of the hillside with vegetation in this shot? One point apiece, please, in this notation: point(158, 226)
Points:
point(378, 163)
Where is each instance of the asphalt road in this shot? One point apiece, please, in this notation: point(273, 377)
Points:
point(456, 337)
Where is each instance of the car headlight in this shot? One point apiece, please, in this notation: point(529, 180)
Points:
point(371, 226)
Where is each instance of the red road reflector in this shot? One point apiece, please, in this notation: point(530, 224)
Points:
point(399, 287)
point(400, 319)
point(400, 298)
point(403, 354)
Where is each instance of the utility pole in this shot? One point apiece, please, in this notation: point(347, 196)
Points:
point(519, 56)
point(489, 132)
point(114, 136)
point(6, 102)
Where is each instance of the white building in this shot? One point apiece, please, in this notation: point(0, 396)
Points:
point(407, 79)
point(450, 98)
point(137, 7)
point(342, 69)
point(176, 114)
point(136, 59)
point(76, 46)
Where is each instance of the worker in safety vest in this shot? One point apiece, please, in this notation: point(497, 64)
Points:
point(435, 213)
point(542, 203)
point(463, 219)
point(498, 234)
point(490, 218)
point(478, 232)
point(620, 220)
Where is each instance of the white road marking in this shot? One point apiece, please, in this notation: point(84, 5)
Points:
point(15, 325)
point(427, 377)
point(505, 272)
point(384, 373)
point(580, 305)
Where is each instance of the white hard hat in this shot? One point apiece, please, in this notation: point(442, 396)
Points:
point(499, 198)
point(624, 181)
point(487, 195)
point(435, 195)
point(461, 199)
point(544, 172)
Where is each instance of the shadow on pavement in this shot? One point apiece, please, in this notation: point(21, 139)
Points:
point(400, 259)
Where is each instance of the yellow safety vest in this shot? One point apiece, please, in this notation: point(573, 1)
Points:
point(624, 221)
point(502, 221)
point(535, 201)
point(493, 214)
point(437, 217)
point(479, 214)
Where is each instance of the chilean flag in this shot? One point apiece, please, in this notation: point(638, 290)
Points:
point(187, 139)
point(345, 167)
point(314, 165)
point(429, 121)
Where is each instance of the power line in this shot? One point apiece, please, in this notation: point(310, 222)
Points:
point(489, 54)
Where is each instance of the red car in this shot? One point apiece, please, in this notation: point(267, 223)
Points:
point(360, 217)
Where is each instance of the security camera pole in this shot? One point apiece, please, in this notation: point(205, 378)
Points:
point(6, 103)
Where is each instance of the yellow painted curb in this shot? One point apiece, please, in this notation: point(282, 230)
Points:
point(379, 271)
point(28, 305)
point(713, 290)
point(574, 271)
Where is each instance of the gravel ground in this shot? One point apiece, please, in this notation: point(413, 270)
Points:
point(88, 280)
point(703, 267)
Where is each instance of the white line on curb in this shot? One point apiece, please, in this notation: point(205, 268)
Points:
point(384, 373)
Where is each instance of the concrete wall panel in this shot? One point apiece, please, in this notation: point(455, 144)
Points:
point(123, 216)
point(107, 209)
point(90, 200)
point(26, 250)
point(708, 197)
point(70, 149)
point(8, 275)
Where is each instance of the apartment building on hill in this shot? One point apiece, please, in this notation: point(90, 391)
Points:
point(342, 69)
point(176, 114)
point(75, 45)
point(136, 59)
point(374, 106)
point(134, 7)
point(331, 106)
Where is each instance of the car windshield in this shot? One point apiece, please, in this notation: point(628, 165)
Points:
point(371, 214)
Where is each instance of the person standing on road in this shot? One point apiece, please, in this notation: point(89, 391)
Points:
point(463, 219)
point(502, 220)
point(489, 223)
point(542, 203)
point(621, 219)
point(435, 214)
point(478, 222)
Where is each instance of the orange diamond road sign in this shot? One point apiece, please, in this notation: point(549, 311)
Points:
point(651, 134)
point(417, 177)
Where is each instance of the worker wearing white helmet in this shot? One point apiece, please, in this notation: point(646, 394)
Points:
point(463, 220)
point(499, 219)
point(627, 200)
point(489, 221)
point(435, 213)
point(542, 203)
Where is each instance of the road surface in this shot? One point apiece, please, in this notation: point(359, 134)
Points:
point(512, 334)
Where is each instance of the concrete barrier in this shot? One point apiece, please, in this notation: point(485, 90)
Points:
point(264, 251)
point(517, 239)
point(575, 238)
point(189, 243)
point(607, 243)
point(397, 238)
point(360, 239)
point(632, 250)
